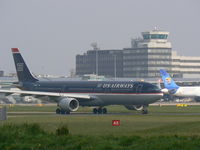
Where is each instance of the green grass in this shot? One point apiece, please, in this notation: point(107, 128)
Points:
point(31, 108)
point(130, 125)
point(33, 137)
point(164, 128)
point(160, 121)
point(112, 109)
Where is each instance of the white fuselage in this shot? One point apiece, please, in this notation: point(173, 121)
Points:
point(188, 91)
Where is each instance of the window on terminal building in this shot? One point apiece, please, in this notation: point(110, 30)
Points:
point(146, 36)
point(154, 36)
point(158, 36)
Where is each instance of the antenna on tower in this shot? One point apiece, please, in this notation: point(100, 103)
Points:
point(94, 46)
point(155, 28)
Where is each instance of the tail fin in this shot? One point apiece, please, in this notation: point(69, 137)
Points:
point(23, 72)
point(168, 81)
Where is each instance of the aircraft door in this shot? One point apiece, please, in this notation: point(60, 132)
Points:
point(139, 88)
point(64, 89)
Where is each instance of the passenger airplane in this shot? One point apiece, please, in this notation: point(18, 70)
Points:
point(172, 88)
point(70, 94)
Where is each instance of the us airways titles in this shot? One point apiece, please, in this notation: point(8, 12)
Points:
point(116, 85)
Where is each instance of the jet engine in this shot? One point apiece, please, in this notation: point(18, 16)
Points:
point(69, 104)
point(134, 107)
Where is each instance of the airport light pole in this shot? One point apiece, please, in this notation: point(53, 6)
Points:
point(95, 48)
point(115, 66)
point(97, 65)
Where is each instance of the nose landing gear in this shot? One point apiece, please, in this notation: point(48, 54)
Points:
point(144, 109)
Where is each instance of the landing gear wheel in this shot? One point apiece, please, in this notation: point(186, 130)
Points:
point(100, 110)
point(58, 111)
point(67, 112)
point(95, 111)
point(63, 112)
point(145, 110)
point(104, 111)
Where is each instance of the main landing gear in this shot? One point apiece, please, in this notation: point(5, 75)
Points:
point(100, 110)
point(63, 112)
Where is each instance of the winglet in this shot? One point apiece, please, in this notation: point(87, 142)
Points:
point(15, 50)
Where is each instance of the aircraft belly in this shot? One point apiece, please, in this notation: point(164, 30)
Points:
point(123, 99)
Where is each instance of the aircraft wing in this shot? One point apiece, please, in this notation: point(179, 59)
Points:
point(52, 94)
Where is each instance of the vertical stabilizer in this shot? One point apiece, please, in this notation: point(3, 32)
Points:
point(168, 81)
point(23, 72)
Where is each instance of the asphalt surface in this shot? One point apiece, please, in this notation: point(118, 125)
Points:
point(111, 113)
point(108, 114)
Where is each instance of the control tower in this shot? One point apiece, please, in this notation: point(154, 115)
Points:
point(155, 39)
point(147, 55)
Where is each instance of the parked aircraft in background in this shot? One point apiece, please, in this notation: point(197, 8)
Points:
point(70, 94)
point(182, 91)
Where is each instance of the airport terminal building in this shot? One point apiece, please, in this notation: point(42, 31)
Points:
point(101, 62)
point(147, 55)
point(185, 66)
point(144, 59)
point(1, 73)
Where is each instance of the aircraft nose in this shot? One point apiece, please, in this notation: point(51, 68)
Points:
point(156, 89)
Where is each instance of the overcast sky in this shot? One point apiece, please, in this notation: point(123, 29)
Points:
point(50, 33)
